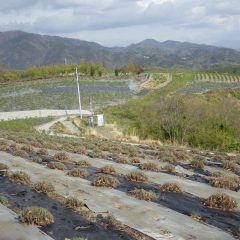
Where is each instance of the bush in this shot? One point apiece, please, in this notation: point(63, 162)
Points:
point(230, 166)
point(4, 201)
point(149, 166)
point(57, 165)
point(215, 174)
point(36, 159)
point(171, 187)
point(105, 181)
point(3, 167)
point(43, 152)
point(197, 164)
point(221, 201)
point(20, 177)
point(61, 156)
point(83, 164)
point(109, 169)
point(27, 148)
point(122, 161)
point(135, 161)
point(20, 153)
point(169, 168)
point(73, 202)
point(143, 194)
point(36, 215)
point(77, 172)
point(226, 182)
point(136, 177)
point(4, 148)
point(43, 187)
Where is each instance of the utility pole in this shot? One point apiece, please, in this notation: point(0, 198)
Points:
point(79, 96)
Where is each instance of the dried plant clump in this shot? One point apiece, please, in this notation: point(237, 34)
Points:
point(57, 165)
point(20, 177)
point(221, 201)
point(83, 164)
point(36, 215)
point(61, 156)
point(72, 202)
point(43, 152)
point(182, 156)
point(171, 187)
point(167, 156)
point(4, 148)
point(230, 166)
point(226, 182)
point(122, 161)
point(105, 181)
point(3, 167)
point(27, 148)
point(4, 201)
point(197, 164)
point(78, 238)
point(109, 169)
point(169, 168)
point(149, 166)
point(215, 174)
point(43, 187)
point(78, 172)
point(135, 161)
point(36, 159)
point(143, 194)
point(136, 177)
point(20, 153)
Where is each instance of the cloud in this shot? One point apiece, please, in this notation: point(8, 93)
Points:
point(205, 20)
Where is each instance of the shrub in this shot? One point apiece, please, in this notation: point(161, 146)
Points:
point(182, 156)
point(36, 159)
point(143, 194)
point(136, 177)
point(225, 182)
point(83, 164)
point(135, 161)
point(105, 181)
point(109, 169)
point(43, 152)
point(230, 166)
point(73, 202)
point(36, 215)
point(57, 165)
point(215, 174)
point(122, 161)
point(20, 153)
point(27, 148)
point(149, 166)
point(169, 168)
point(43, 187)
point(171, 187)
point(221, 201)
point(61, 156)
point(20, 177)
point(197, 164)
point(3, 167)
point(77, 172)
point(4, 148)
point(4, 201)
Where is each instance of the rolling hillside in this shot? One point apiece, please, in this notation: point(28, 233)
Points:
point(19, 50)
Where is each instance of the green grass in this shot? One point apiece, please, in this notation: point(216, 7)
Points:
point(23, 125)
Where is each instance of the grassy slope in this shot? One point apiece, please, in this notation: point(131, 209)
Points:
point(207, 121)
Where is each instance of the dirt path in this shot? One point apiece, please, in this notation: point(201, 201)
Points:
point(147, 217)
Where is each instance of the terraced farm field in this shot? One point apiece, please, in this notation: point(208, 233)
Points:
point(99, 189)
point(215, 77)
point(62, 94)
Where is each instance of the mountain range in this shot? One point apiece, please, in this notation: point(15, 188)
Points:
point(19, 50)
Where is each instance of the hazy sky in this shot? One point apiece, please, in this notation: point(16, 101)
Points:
point(121, 22)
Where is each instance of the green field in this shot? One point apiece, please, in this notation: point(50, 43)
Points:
point(42, 94)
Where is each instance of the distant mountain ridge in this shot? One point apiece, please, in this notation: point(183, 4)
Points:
point(19, 50)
